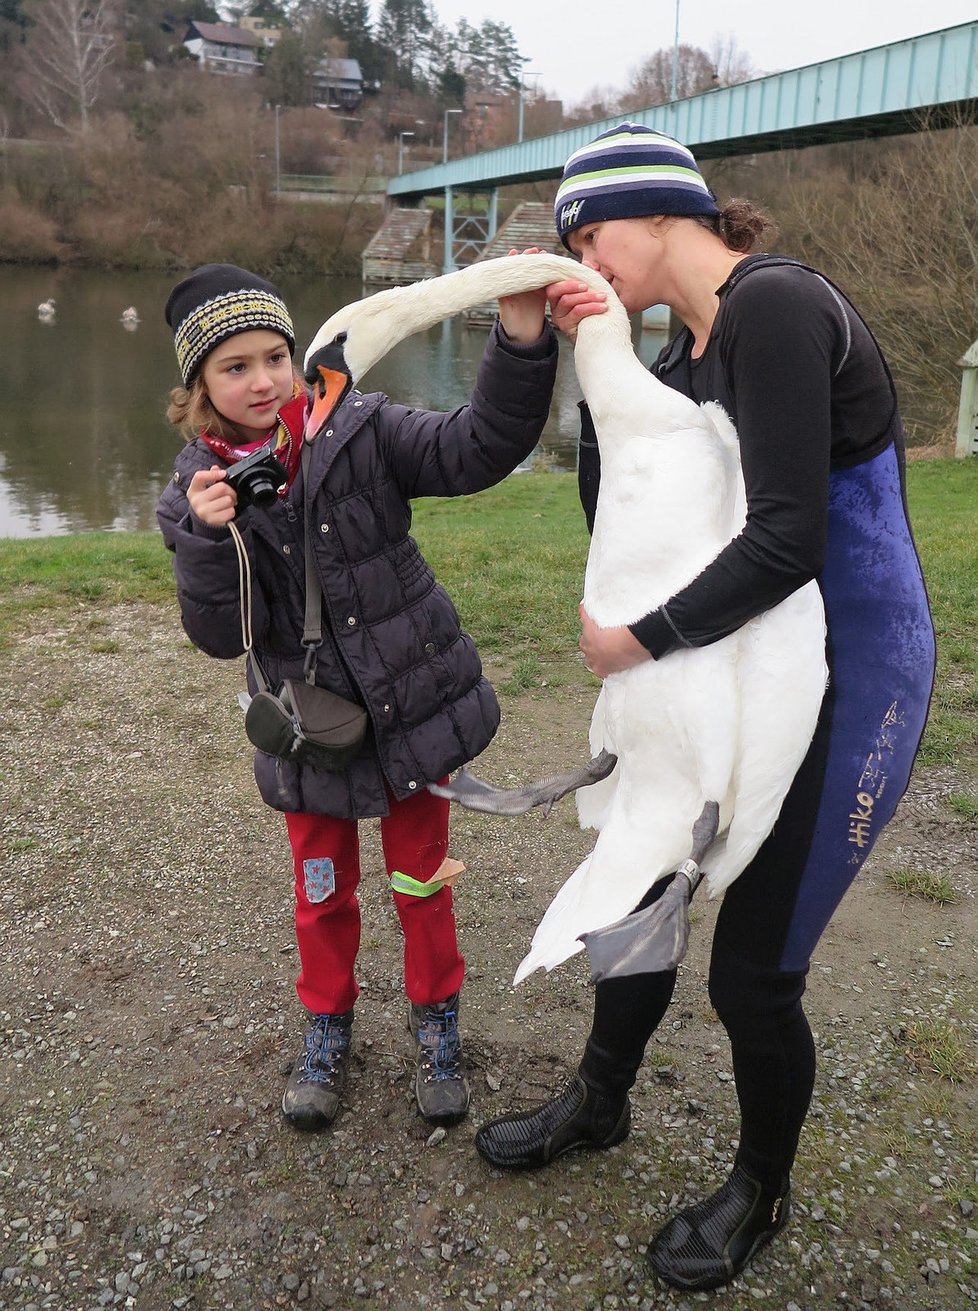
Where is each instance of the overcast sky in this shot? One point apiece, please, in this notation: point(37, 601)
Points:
point(576, 45)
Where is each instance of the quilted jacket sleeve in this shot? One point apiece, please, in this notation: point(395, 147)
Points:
point(474, 447)
point(206, 568)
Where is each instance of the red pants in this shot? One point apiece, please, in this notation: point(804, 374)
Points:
point(326, 858)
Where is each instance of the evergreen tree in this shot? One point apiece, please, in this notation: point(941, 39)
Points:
point(286, 71)
point(353, 18)
point(403, 31)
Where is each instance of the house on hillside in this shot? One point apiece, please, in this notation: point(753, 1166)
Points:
point(267, 34)
point(338, 84)
point(219, 48)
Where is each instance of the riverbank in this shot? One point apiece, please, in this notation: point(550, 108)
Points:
point(147, 1011)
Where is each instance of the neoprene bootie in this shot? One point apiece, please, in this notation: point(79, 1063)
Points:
point(709, 1244)
point(578, 1117)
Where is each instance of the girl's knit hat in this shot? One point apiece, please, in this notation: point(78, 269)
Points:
point(218, 301)
point(630, 171)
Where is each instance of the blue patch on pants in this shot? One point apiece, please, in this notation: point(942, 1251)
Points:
point(319, 879)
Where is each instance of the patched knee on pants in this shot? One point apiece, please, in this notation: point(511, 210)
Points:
point(318, 879)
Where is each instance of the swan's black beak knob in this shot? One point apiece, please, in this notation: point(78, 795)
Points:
point(328, 375)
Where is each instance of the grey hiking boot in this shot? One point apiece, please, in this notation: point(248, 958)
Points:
point(440, 1087)
point(312, 1094)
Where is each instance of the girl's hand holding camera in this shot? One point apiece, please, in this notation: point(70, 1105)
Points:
point(210, 498)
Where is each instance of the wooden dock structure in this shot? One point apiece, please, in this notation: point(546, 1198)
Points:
point(400, 251)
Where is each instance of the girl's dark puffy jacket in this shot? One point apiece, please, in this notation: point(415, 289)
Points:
point(391, 635)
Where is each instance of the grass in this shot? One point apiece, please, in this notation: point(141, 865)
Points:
point(512, 559)
point(920, 883)
point(938, 1046)
point(77, 572)
point(943, 496)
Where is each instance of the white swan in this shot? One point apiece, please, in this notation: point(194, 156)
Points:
point(46, 310)
point(130, 314)
point(727, 724)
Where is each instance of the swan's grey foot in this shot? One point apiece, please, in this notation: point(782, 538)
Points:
point(474, 794)
point(656, 938)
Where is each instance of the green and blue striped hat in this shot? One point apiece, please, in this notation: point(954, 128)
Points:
point(630, 171)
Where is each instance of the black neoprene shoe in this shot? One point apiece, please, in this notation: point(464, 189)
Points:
point(710, 1243)
point(579, 1117)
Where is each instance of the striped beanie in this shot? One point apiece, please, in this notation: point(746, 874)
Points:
point(218, 301)
point(630, 171)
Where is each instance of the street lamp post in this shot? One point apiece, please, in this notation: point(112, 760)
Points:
point(444, 135)
point(675, 56)
point(278, 154)
point(519, 125)
point(400, 149)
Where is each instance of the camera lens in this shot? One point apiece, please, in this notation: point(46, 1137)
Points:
point(261, 490)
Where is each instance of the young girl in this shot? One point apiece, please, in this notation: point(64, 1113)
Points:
point(391, 636)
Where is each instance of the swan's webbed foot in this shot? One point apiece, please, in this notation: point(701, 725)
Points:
point(474, 794)
point(654, 939)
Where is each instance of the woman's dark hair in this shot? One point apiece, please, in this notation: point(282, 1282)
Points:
point(740, 225)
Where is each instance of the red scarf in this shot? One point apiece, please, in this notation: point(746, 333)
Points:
point(286, 434)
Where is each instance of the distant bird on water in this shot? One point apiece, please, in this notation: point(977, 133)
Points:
point(692, 754)
point(130, 315)
point(46, 310)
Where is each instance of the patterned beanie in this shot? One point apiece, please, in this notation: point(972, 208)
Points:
point(630, 171)
point(218, 301)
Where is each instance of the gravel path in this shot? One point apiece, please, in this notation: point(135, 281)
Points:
point(147, 1018)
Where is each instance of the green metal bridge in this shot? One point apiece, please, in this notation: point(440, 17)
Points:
point(921, 83)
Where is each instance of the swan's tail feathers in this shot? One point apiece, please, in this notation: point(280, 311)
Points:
point(475, 794)
point(654, 939)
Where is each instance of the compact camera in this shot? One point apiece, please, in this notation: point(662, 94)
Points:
point(257, 478)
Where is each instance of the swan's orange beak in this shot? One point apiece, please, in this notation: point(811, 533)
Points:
point(330, 380)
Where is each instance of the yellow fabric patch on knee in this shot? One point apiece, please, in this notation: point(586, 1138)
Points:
point(443, 877)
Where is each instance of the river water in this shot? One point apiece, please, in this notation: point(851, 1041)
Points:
point(83, 441)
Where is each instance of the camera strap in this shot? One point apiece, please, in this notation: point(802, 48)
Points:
point(312, 633)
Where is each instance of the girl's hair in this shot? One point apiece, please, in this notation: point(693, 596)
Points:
point(191, 411)
point(740, 225)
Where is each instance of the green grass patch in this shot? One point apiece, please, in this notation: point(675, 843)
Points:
point(512, 559)
point(920, 883)
point(77, 571)
point(937, 1045)
point(943, 497)
point(964, 803)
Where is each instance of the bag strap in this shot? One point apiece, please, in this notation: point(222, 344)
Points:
point(312, 633)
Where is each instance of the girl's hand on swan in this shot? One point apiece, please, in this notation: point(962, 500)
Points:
point(572, 301)
point(210, 499)
point(609, 650)
point(522, 314)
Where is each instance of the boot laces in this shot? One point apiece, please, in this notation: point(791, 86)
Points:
point(440, 1046)
point(326, 1043)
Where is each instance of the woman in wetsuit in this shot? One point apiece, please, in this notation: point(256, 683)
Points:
point(801, 376)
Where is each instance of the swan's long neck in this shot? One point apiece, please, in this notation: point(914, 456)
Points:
point(379, 322)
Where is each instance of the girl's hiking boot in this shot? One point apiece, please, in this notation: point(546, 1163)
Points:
point(441, 1088)
point(312, 1094)
point(580, 1116)
point(709, 1244)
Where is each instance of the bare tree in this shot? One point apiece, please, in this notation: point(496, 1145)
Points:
point(69, 47)
point(902, 236)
